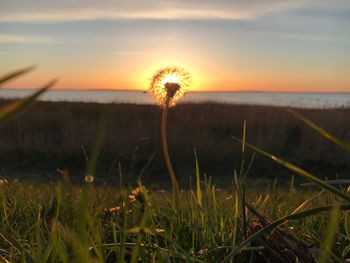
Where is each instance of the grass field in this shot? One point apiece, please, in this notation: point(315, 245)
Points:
point(50, 136)
point(241, 219)
point(66, 223)
point(110, 216)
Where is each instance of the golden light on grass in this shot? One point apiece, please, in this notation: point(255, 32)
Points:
point(169, 85)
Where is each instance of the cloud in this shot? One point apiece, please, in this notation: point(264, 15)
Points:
point(65, 11)
point(4, 38)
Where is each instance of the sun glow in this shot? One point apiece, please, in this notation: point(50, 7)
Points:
point(171, 79)
point(168, 85)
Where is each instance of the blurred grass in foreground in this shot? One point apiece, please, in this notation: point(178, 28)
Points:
point(12, 110)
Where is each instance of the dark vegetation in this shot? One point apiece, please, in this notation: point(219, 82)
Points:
point(51, 136)
point(65, 222)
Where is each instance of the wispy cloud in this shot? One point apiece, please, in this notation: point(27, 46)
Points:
point(164, 14)
point(23, 11)
point(4, 38)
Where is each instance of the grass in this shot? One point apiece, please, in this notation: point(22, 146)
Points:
point(66, 223)
point(63, 222)
point(49, 136)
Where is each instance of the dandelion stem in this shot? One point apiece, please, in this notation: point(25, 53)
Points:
point(176, 189)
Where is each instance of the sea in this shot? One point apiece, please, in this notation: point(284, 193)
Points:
point(284, 99)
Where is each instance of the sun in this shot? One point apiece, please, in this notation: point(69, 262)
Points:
point(170, 84)
point(171, 79)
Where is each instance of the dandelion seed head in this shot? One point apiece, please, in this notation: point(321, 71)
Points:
point(89, 178)
point(170, 84)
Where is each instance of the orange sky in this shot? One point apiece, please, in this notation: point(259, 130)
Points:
point(225, 45)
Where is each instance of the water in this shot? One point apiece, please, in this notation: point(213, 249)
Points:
point(305, 100)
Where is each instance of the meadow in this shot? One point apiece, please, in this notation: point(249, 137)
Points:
point(65, 223)
point(84, 183)
point(52, 135)
point(56, 208)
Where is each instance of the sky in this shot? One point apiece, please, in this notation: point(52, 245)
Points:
point(224, 44)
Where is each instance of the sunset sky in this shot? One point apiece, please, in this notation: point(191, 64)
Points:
point(226, 45)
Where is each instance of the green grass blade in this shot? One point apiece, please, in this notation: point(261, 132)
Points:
point(235, 219)
point(300, 171)
point(198, 181)
point(15, 244)
point(244, 136)
point(331, 234)
point(307, 202)
point(321, 131)
point(269, 228)
point(12, 241)
point(291, 193)
point(347, 224)
point(136, 252)
point(14, 74)
point(14, 109)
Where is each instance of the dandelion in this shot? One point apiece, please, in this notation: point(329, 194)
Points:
point(132, 198)
point(89, 178)
point(138, 194)
point(160, 230)
point(204, 250)
point(110, 212)
point(168, 85)
point(256, 225)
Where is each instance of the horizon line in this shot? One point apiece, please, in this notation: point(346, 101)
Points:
point(193, 91)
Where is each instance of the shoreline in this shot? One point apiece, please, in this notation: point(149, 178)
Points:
point(279, 99)
point(194, 91)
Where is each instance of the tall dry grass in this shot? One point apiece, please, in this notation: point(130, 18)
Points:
point(50, 136)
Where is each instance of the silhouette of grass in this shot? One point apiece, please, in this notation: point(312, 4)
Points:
point(50, 136)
